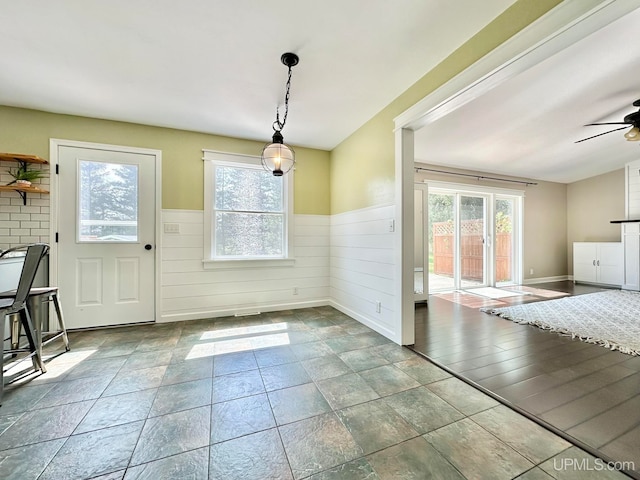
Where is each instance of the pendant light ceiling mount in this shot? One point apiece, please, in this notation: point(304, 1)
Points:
point(289, 59)
point(278, 157)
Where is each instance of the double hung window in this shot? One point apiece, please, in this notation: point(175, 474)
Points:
point(247, 208)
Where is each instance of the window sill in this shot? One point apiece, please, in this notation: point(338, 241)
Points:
point(209, 264)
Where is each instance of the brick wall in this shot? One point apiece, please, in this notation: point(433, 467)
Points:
point(21, 224)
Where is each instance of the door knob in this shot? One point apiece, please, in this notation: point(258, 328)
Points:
point(148, 246)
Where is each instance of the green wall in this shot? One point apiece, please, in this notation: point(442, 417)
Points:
point(362, 167)
point(29, 131)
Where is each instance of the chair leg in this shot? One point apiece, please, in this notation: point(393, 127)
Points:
point(15, 328)
point(3, 319)
point(56, 304)
point(35, 343)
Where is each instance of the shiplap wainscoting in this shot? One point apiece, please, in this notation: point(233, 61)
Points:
point(189, 291)
point(362, 267)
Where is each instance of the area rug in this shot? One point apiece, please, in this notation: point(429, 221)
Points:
point(610, 318)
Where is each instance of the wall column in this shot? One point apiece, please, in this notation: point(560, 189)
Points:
point(403, 242)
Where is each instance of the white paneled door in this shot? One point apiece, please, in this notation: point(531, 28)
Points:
point(106, 236)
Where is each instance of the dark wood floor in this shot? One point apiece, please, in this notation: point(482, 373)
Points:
point(587, 391)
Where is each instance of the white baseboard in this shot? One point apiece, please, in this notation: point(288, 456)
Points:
point(381, 329)
point(177, 317)
point(533, 281)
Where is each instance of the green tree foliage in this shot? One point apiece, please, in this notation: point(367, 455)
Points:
point(108, 196)
point(249, 219)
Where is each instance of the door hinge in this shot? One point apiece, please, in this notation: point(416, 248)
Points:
point(57, 168)
point(56, 237)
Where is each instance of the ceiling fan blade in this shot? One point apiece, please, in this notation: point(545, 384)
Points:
point(600, 134)
point(608, 123)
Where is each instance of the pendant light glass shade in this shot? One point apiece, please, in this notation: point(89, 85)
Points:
point(278, 157)
point(633, 135)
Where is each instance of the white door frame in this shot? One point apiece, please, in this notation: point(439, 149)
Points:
point(54, 144)
point(561, 27)
point(424, 189)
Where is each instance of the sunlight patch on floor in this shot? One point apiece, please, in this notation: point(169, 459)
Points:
point(235, 345)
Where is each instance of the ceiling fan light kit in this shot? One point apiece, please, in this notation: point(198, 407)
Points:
point(633, 119)
point(633, 135)
point(278, 157)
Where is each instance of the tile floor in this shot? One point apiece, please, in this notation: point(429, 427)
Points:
point(299, 394)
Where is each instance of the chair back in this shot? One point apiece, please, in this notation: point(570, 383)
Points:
point(35, 253)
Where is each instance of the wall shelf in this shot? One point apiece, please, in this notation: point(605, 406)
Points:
point(19, 157)
point(23, 160)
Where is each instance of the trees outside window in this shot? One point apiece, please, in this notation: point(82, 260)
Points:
point(249, 213)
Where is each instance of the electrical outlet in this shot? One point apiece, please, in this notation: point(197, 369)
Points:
point(531, 271)
point(378, 306)
point(295, 290)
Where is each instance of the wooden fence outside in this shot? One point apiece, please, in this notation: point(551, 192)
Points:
point(471, 251)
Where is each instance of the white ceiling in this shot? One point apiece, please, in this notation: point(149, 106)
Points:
point(527, 126)
point(214, 66)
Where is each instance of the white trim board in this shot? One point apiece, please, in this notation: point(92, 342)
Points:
point(561, 27)
point(558, 278)
point(230, 312)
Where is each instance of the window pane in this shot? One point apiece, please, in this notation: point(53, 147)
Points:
point(249, 234)
point(441, 241)
point(247, 189)
point(108, 206)
point(472, 251)
point(504, 240)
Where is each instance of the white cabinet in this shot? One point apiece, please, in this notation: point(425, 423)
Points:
point(598, 262)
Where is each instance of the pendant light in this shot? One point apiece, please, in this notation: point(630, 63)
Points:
point(277, 156)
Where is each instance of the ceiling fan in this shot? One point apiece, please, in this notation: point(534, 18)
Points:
point(632, 119)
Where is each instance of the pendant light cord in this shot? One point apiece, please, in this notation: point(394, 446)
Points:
point(278, 125)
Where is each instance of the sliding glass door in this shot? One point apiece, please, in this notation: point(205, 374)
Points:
point(472, 238)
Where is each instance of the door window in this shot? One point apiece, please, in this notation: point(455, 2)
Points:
point(107, 202)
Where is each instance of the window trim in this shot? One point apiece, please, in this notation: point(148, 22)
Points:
point(213, 158)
